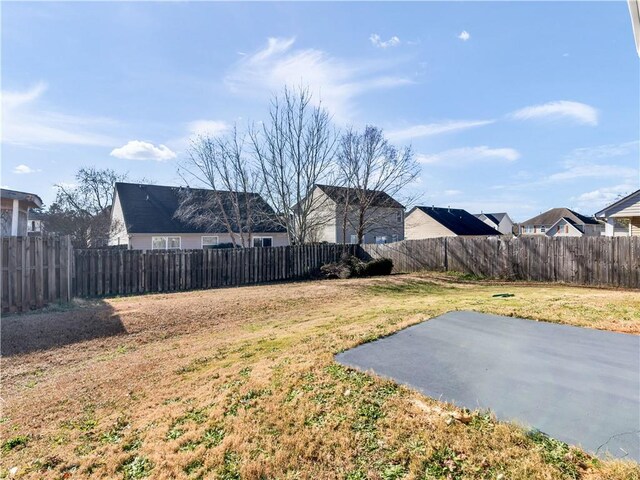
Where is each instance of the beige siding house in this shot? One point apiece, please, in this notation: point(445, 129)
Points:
point(435, 222)
point(562, 222)
point(626, 210)
point(384, 218)
point(143, 217)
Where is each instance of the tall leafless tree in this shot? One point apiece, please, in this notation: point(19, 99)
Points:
point(222, 165)
point(295, 150)
point(83, 209)
point(370, 167)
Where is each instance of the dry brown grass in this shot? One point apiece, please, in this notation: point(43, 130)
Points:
point(240, 383)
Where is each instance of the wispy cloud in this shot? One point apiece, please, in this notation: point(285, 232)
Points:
point(458, 156)
point(464, 36)
point(603, 196)
point(208, 127)
point(376, 41)
point(337, 82)
point(599, 152)
point(562, 109)
point(139, 150)
point(593, 170)
point(429, 129)
point(23, 169)
point(25, 122)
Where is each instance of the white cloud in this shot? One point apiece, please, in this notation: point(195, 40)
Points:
point(599, 152)
point(334, 81)
point(602, 197)
point(139, 150)
point(376, 41)
point(25, 123)
point(457, 156)
point(430, 129)
point(208, 127)
point(594, 171)
point(451, 193)
point(464, 36)
point(24, 169)
point(561, 109)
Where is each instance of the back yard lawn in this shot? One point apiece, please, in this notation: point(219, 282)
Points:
point(241, 383)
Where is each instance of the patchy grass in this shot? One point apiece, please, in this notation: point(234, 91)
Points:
point(241, 383)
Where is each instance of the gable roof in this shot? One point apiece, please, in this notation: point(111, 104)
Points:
point(458, 221)
point(152, 209)
point(552, 216)
point(570, 222)
point(618, 203)
point(494, 217)
point(340, 195)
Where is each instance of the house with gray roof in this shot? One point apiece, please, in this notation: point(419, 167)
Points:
point(561, 222)
point(434, 222)
point(383, 216)
point(15, 211)
point(500, 221)
point(149, 217)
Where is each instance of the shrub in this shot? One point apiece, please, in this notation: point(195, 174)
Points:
point(380, 266)
point(350, 266)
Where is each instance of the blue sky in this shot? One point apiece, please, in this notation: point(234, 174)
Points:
point(515, 107)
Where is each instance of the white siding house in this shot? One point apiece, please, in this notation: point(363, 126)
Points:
point(626, 210)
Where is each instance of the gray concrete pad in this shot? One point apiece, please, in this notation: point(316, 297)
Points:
point(578, 385)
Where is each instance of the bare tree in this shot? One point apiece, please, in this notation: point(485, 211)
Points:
point(223, 166)
point(83, 209)
point(372, 170)
point(295, 150)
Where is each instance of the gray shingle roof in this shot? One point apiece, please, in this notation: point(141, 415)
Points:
point(459, 221)
point(341, 194)
point(550, 217)
point(152, 209)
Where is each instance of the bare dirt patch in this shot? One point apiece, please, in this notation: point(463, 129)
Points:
point(240, 383)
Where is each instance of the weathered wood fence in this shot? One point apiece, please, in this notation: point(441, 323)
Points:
point(580, 260)
point(107, 272)
point(36, 271)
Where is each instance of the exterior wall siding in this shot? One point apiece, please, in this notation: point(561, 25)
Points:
point(419, 225)
point(383, 222)
point(192, 241)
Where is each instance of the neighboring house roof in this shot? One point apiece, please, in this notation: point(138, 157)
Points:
point(152, 209)
point(494, 217)
point(458, 221)
point(618, 203)
point(570, 222)
point(340, 195)
point(36, 215)
point(552, 216)
point(32, 199)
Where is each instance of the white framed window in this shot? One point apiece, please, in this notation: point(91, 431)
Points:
point(209, 241)
point(399, 216)
point(262, 241)
point(354, 239)
point(543, 229)
point(381, 239)
point(165, 243)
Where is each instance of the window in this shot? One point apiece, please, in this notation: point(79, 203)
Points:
point(262, 241)
point(394, 238)
point(380, 240)
point(165, 243)
point(543, 229)
point(354, 239)
point(399, 216)
point(209, 241)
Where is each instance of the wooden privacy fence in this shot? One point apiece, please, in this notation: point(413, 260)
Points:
point(36, 271)
point(580, 260)
point(106, 272)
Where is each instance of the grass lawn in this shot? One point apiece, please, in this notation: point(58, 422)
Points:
point(240, 383)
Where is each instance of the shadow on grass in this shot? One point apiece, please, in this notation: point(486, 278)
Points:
point(408, 287)
point(30, 332)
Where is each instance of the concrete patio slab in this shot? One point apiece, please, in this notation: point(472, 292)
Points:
point(578, 385)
